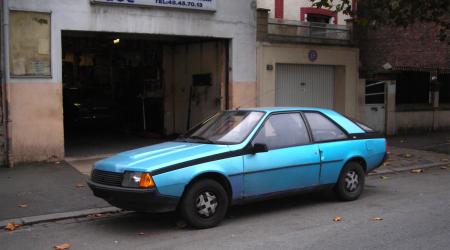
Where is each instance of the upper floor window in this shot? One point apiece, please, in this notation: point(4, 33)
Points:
point(318, 18)
point(311, 14)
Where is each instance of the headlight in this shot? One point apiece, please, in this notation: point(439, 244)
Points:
point(137, 180)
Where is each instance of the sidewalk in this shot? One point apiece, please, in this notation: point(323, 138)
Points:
point(30, 191)
point(40, 192)
point(405, 159)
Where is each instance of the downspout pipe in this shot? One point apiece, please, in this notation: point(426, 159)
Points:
point(4, 76)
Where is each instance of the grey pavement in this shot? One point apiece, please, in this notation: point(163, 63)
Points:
point(438, 142)
point(42, 189)
point(414, 209)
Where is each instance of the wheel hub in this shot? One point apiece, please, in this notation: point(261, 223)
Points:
point(206, 204)
point(351, 181)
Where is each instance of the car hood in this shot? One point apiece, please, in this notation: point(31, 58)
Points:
point(157, 156)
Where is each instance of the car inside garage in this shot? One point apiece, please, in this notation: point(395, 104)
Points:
point(122, 91)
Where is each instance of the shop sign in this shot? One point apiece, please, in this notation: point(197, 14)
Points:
point(208, 5)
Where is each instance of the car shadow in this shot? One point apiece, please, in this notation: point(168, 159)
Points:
point(145, 224)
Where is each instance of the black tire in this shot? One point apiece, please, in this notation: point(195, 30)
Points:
point(201, 191)
point(345, 188)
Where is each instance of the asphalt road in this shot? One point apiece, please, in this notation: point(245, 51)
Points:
point(415, 212)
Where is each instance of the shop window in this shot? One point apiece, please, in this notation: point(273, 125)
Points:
point(444, 89)
point(413, 88)
point(29, 44)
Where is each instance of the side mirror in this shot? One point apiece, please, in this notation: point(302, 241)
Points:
point(259, 148)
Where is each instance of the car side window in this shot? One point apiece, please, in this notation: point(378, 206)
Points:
point(283, 130)
point(323, 129)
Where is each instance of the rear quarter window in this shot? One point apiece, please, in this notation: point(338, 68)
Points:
point(323, 129)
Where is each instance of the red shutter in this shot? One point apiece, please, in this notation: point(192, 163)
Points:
point(279, 8)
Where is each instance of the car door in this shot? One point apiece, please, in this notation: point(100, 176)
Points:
point(291, 161)
point(332, 141)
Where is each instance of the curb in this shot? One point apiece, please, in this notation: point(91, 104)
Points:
point(59, 216)
point(392, 170)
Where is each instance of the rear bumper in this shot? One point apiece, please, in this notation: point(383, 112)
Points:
point(143, 200)
point(386, 156)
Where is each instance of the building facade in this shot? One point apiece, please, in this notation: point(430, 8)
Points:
point(306, 57)
point(136, 65)
point(80, 72)
point(409, 68)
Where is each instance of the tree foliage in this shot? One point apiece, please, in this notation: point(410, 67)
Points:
point(375, 13)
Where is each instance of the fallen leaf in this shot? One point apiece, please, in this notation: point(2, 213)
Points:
point(444, 160)
point(57, 162)
point(11, 226)
point(417, 171)
point(141, 233)
point(337, 219)
point(384, 177)
point(63, 246)
point(79, 185)
point(23, 205)
point(181, 224)
point(386, 164)
point(377, 218)
point(444, 167)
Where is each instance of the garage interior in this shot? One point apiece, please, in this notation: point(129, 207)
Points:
point(123, 91)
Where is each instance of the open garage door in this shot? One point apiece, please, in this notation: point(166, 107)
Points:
point(304, 85)
point(122, 91)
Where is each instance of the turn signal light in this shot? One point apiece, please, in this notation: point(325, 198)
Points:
point(146, 181)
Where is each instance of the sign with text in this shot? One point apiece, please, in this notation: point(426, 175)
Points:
point(208, 5)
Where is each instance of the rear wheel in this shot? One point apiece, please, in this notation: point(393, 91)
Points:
point(351, 182)
point(204, 204)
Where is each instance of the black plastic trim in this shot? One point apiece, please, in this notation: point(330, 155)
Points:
point(143, 200)
point(279, 194)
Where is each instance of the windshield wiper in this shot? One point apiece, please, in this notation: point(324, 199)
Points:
point(196, 137)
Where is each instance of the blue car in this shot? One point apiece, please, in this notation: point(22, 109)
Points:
point(238, 156)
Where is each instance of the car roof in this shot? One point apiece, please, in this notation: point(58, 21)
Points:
point(343, 121)
point(281, 109)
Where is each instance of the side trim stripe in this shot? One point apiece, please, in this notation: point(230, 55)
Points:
point(215, 157)
point(247, 150)
point(286, 167)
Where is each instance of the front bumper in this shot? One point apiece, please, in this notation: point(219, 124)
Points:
point(142, 200)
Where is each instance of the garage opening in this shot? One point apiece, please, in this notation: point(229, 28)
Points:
point(305, 85)
point(123, 91)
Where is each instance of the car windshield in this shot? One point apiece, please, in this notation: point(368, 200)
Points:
point(228, 127)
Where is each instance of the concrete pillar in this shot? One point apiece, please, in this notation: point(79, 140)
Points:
point(262, 23)
point(391, 127)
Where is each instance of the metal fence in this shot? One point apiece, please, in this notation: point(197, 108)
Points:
point(309, 30)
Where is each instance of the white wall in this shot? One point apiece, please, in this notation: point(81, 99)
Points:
point(233, 19)
point(292, 9)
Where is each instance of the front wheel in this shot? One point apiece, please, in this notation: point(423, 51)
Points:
point(351, 182)
point(204, 204)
